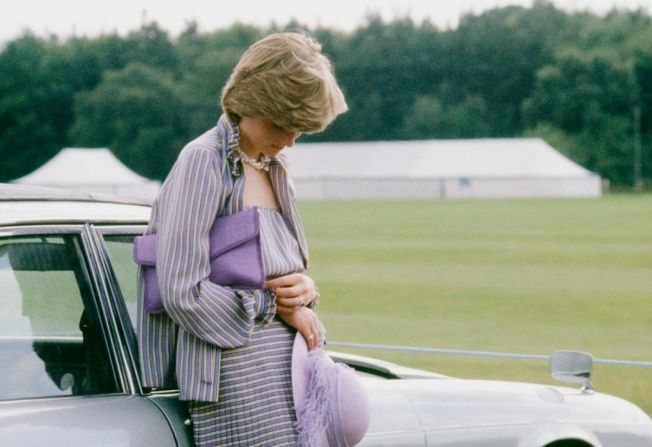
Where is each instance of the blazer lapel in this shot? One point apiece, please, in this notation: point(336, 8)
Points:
point(285, 197)
point(236, 201)
point(232, 169)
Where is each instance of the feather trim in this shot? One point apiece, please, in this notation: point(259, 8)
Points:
point(315, 413)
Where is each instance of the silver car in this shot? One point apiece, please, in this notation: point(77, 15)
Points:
point(69, 371)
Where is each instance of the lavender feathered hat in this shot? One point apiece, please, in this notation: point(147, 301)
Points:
point(331, 404)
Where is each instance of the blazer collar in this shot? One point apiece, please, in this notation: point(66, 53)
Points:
point(229, 138)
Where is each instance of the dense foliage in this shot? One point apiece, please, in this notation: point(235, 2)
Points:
point(582, 82)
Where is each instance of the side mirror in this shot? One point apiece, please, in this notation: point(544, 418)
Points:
point(572, 367)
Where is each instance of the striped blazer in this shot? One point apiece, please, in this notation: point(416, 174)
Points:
point(184, 344)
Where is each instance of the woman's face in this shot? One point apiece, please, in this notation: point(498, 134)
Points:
point(259, 136)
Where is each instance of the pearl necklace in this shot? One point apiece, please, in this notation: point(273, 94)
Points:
point(261, 164)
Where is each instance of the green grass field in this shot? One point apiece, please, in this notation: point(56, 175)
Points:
point(523, 276)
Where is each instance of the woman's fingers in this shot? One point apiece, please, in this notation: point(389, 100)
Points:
point(294, 284)
point(315, 334)
point(294, 301)
point(284, 281)
point(312, 337)
point(285, 310)
point(305, 321)
point(297, 290)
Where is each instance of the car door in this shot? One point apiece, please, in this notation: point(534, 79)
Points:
point(394, 421)
point(115, 247)
point(63, 379)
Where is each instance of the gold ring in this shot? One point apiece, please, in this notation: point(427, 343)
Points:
point(309, 337)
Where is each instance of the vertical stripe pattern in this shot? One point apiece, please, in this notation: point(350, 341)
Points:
point(255, 406)
point(184, 346)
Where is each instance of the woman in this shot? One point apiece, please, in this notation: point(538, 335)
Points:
point(231, 349)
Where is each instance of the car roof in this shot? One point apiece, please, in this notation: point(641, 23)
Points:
point(25, 204)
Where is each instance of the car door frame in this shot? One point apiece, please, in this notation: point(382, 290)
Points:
point(167, 400)
point(77, 420)
point(124, 384)
point(120, 323)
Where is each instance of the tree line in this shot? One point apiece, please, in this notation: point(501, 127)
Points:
point(580, 81)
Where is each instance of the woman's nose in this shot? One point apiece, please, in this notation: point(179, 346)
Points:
point(290, 137)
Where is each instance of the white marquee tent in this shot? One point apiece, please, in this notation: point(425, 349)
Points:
point(94, 171)
point(479, 168)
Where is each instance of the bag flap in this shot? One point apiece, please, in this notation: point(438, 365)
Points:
point(145, 250)
point(232, 230)
point(226, 233)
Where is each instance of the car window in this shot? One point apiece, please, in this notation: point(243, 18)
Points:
point(51, 340)
point(120, 248)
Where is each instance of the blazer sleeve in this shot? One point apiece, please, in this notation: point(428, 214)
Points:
point(216, 314)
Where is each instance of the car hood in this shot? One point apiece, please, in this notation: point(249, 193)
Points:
point(449, 403)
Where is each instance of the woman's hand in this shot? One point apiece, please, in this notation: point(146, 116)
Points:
point(305, 321)
point(292, 291)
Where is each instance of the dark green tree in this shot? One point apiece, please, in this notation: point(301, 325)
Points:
point(34, 105)
point(496, 55)
point(385, 65)
point(574, 78)
point(588, 97)
point(429, 118)
point(208, 60)
point(643, 79)
point(151, 46)
point(138, 113)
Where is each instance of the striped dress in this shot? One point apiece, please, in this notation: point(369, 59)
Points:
point(255, 407)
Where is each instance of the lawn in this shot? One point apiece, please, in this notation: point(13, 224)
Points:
point(521, 276)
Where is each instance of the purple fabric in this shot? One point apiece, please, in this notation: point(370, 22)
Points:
point(331, 403)
point(235, 256)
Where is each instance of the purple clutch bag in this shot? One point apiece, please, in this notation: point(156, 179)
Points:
point(235, 256)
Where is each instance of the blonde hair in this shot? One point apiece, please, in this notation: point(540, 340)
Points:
point(284, 78)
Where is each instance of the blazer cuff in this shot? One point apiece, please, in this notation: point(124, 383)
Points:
point(264, 305)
